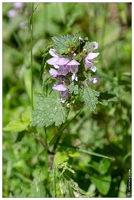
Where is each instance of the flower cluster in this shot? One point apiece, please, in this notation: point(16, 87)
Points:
point(16, 7)
point(69, 68)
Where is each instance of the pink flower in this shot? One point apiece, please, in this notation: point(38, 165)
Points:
point(64, 95)
point(90, 62)
point(59, 87)
point(73, 65)
point(64, 65)
point(93, 80)
point(11, 13)
point(63, 91)
point(95, 44)
point(18, 5)
point(53, 72)
point(56, 60)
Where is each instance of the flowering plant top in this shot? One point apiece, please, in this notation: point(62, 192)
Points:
point(72, 72)
point(72, 60)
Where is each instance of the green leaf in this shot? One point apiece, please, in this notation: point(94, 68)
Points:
point(66, 44)
point(104, 165)
point(56, 136)
point(60, 157)
point(27, 115)
point(102, 183)
point(19, 125)
point(122, 189)
point(89, 47)
point(48, 110)
point(72, 152)
point(106, 97)
point(16, 126)
point(73, 88)
point(89, 97)
point(37, 188)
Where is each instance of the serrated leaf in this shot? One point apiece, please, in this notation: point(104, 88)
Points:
point(73, 88)
point(89, 47)
point(16, 126)
point(66, 44)
point(48, 110)
point(89, 97)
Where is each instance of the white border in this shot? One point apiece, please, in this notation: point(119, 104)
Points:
point(127, 1)
point(99, 1)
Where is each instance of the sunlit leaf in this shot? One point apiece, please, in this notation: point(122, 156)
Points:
point(16, 126)
point(60, 157)
point(66, 44)
point(48, 110)
point(89, 97)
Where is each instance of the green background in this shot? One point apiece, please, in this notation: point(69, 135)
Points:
point(26, 170)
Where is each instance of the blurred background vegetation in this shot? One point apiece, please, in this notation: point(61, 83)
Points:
point(25, 165)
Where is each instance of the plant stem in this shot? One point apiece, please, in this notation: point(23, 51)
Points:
point(54, 181)
point(56, 137)
point(31, 53)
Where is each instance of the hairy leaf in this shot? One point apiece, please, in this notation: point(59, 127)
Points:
point(89, 47)
point(89, 97)
point(66, 44)
point(48, 110)
point(73, 88)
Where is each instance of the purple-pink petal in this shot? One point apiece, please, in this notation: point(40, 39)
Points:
point(62, 61)
point(53, 72)
point(52, 61)
point(74, 68)
point(89, 63)
point(93, 68)
point(60, 87)
point(95, 78)
point(91, 56)
point(11, 13)
point(62, 70)
point(18, 5)
point(64, 95)
point(73, 62)
point(95, 45)
point(52, 53)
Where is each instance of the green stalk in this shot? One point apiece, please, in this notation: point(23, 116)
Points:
point(31, 53)
point(95, 154)
point(56, 137)
point(54, 181)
